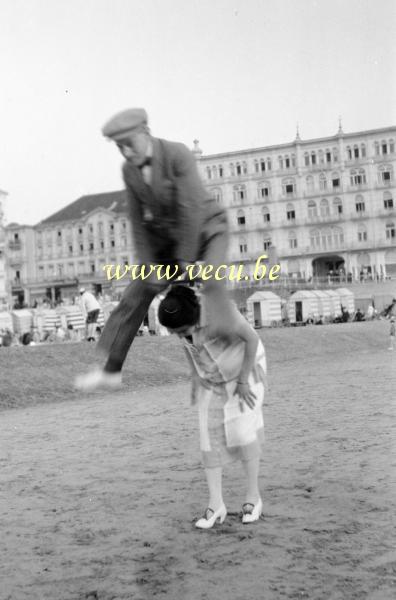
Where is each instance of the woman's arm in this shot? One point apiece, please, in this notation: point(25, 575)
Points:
point(251, 339)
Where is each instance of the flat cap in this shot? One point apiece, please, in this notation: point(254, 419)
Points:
point(123, 122)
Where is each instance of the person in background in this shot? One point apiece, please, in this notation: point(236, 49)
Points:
point(228, 377)
point(392, 334)
point(91, 309)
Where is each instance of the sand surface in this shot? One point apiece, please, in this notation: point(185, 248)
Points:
point(99, 495)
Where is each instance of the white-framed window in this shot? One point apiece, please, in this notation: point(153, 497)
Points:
point(391, 146)
point(239, 193)
point(312, 209)
point(216, 194)
point(208, 172)
point(306, 159)
point(322, 181)
point(358, 177)
point(314, 238)
point(266, 214)
point(292, 239)
point(385, 174)
point(290, 212)
point(241, 220)
point(337, 204)
point(335, 180)
point(390, 231)
point(309, 181)
point(359, 204)
point(338, 236)
point(388, 200)
point(266, 243)
point(232, 170)
point(313, 158)
point(362, 233)
point(288, 187)
point(324, 208)
point(243, 247)
point(328, 155)
point(264, 189)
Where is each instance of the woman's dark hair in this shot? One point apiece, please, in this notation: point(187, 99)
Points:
point(179, 308)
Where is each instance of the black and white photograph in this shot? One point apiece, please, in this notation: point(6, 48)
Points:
point(198, 300)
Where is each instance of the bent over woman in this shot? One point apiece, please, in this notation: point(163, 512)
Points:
point(228, 380)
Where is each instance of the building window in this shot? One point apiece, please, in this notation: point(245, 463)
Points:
point(290, 212)
point(384, 148)
point(359, 204)
point(102, 244)
point(358, 177)
point(124, 225)
point(208, 172)
point(306, 159)
point(335, 181)
point(264, 190)
point(111, 227)
point(59, 234)
point(221, 171)
point(92, 267)
point(112, 243)
point(312, 209)
point(356, 152)
point(232, 170)
point(362, 234)
point(267, 243)
point(313, 158)
point(391, 146)
point(239, 193)
point(262, 165)
point(238, 169)
point(310, 183)
point(376, 148)
point(288, 187)
point(80, 231)
point(388, 200)
point(243, 246)
point(91, 245)
point(324, 208)
point(328, 156)
point(292, 240)
point(385, 174)
point(337, 206)
point(266, 215)
point(280, 160)
point(241, 218)
point(81, 247)
point(390, 231)
point(216, 195)
point(287, 162)
point(314, 238)
point(322, 181)
point(70, 249)
point(363, 150)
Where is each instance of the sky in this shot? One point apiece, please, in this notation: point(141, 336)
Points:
point(233, 74)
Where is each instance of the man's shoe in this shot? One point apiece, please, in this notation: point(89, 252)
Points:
point(98, 378)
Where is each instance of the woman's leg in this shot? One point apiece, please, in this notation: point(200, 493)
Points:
point(251, 468)
point(213, 477)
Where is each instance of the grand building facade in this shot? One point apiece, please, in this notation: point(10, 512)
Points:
point(316, 207)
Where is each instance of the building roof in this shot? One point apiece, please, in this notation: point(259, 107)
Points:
point(299, 141)
point(79, 209)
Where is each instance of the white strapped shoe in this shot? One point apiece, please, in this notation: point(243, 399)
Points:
point(210, 517)
point(252, 512)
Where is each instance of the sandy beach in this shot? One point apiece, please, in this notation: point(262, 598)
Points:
point(99, 493)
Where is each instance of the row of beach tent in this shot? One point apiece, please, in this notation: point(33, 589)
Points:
point(263, 309)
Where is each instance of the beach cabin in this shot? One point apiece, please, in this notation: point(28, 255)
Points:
point(6, 321)
point(301, 305)
point(347, 299)
point(335, 302)
point(22, 321)
point(264, 309)
point(325, 305)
